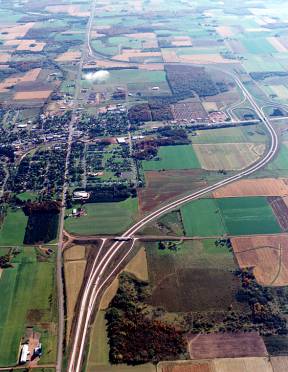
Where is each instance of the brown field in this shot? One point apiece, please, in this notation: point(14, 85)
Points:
point(225, 345)
point(164, 186)
point(26, 45)
point(242, 365)
point(260, 187)
point(109, 294)
point(4, 57)
point(237, 46)
point(279, 364)
point(185, 366)
point(225, 31)
point(138, 265)
point(267, 254)
point(127, 54)
point(15, 32)
point(77, 252)
point(29, 76)
point(74, 273)
point(277, 44)
point(73, 10)
point(228, 156)
point(280, 210)
point(152, 67)
point(205, 59)
point(41, 94)
point(69, 56)
point(169, 56)
point(181, 41)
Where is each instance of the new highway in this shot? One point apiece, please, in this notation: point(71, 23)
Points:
point(108, 264)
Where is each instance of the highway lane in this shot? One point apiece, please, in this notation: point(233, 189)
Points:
point(98, 280)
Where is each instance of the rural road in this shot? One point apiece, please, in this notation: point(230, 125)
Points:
point(99, 277)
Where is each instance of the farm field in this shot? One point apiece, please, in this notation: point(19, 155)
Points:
point(163, 186)
point(202, 218)
point(227, 156)
point(28, 298)
point(250, 187)
point(267, 255)
point(250, 134)
point(173, 157)
point(226, 345)
point(104, 218)
point(8, 234)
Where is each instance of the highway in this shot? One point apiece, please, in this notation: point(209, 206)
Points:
point(104, 268)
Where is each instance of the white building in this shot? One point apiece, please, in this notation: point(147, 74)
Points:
point(81, 195)
point(24, 354)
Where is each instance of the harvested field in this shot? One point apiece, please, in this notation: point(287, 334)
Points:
point(267, 254)
point(42, 94)
point(180, 41)
point(15, 32)
point(138, 265)
point(228, 156)
point(29, 76)
point(279, 364)
point(276, 43)
point(225, 31)
point(109, 294)
point(185, 366)
point(164, 186)
point(69, 56)
point(205, 59)
point(259, 187)
point(237, 46)
point(280, 210)
point(226, 345)
point(128, 54)
point(152, 67)
point(74, 274)
point(73, 10)
point(77, 252)
point(169, 56)
point(242, 365)
point(26, 45)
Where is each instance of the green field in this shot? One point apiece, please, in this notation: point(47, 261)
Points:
point(251, 215)
point(13, 229)
point(27, 298)
point(202, 218)
point(104, 218)
point(136, 76)
point(251, 134)
point(234, 216)
point(173, 157)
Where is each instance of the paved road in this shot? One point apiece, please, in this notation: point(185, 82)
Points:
point(99, 277)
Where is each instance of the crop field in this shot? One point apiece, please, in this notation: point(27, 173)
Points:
point(256, 364)
point(104, 218)
point(244, 216)
point(259, 187)
point(26, 289)
point(250, 134)
point(279, 364)
point(8, 234)
point(181, 280)
point(279, 166)
point(202, 218)
point(228, 156)
point(173, 157)
point(185, 366)
point(228, 345)
point(267, 255)
point(280, 210)
point(164, 186)
point(74, 268)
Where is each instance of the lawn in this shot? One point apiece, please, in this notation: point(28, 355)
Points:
point(173, 157)
point(13, 229)
point(250, 215)
point(202, 218)
point(104, 218)
point(27, 298)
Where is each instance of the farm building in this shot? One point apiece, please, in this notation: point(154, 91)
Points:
point(24, 354)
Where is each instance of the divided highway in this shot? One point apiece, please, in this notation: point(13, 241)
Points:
point(100, 274)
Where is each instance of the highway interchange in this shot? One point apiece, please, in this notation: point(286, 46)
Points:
point(111, 256)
